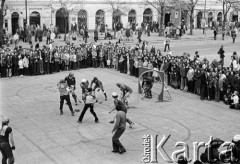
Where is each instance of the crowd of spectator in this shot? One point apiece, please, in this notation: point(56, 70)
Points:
point(208, 79)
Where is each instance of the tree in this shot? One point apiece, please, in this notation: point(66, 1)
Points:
point(190, 6)
point(162, 6)
point(227, 5)
point(66, 8)
point(3, 12)
point(117, 8)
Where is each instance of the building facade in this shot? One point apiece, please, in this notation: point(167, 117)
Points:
point(93, 13)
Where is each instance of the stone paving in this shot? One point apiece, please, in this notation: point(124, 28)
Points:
point(42, 136)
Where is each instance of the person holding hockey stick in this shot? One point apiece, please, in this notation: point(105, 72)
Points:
point(126, 92)
point(89, 100)
point(120, 106)
point(71, 81)
point(98, 84)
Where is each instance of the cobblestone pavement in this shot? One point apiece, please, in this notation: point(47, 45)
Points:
point(42, 136)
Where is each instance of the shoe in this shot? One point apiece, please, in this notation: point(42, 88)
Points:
point(111, 122)
point(61, 112)
point(106, 99)
point(115, 151)
point(97, 121)
point(73, 113)
point(76, 103)
point(130, 126)
point(79, 122)
point(121, 152)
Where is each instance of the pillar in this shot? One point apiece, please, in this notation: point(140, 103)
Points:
point(139, 18)
point(20, 21)
point(195, 18)
point(108, 20)
point(124, 20)
point(9, 25)
point(91, 22)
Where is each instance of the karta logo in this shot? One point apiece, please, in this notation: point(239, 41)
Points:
point(152, 148)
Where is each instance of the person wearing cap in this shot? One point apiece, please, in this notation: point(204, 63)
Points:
point(64, 95)
point(119, 127)
point(121, 106)
point(89, 100)
point(98, 84)
point(71, 81)
point(6, 141)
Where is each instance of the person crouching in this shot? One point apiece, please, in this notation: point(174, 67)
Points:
point(89, 99)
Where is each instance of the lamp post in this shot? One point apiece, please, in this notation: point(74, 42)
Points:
point(26, 11)
point(51, 12)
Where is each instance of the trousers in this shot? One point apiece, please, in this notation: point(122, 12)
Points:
point(117, 146)
point(7, 154)
point(86, 106)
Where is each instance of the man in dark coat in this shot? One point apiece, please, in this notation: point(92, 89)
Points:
point(204, 84)
point(221, 53)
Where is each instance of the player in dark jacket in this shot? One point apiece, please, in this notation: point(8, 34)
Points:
point(70, 79)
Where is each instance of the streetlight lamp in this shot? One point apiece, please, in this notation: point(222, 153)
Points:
point(26, 11)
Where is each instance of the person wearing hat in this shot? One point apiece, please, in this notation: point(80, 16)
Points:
point(6, 141)
point(89, 100)
point(64, 95)
point(71, 81)
point(119, 127)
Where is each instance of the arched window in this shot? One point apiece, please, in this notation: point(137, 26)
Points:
point(62, 17)
point(210, 18)
point(132, 16)
point(15, 25)
point(199, 19)
point(219, 17)
point(82, 19)
point(234, 16)
point(35, 18)
point(100, 20)
point(147, 15)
